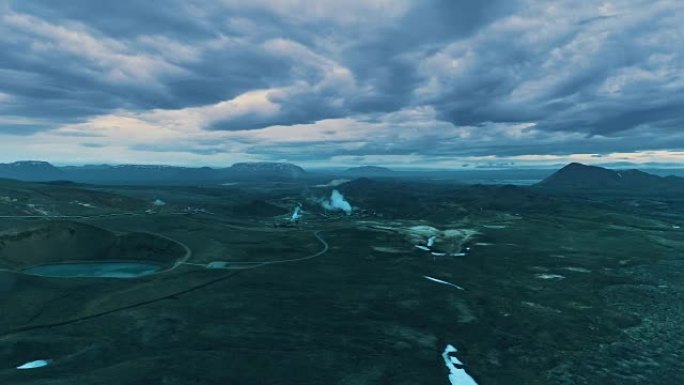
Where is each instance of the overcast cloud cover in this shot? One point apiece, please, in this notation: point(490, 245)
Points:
point(316, 82)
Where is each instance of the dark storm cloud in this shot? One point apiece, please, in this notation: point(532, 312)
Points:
point(127, 18)
point(134, 55)
point(602, 75)
point(612, 75)
point(219, 71)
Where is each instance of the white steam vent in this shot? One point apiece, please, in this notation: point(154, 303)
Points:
point(296, 214)
point(431, 241)
point(337, 203)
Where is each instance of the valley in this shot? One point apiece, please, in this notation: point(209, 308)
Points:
point(530, 287)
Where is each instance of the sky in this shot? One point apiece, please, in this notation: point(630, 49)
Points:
point(399, 83)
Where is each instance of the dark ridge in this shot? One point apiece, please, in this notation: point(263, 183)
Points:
point(369, 171)
point(577, 176)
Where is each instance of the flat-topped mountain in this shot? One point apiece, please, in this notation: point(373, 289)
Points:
point(30, 170)
point(577, 176)
point(149, 174)
point(265, 169)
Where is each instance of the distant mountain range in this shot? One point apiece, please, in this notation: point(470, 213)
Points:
point(574, 177)
point(580, 177)
point(266, 169)
point(36, 171)
point(368, 171)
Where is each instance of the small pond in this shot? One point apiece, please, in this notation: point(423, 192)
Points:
point(95, 269)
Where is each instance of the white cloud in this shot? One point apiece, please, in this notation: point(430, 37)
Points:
point(311, 11)
point(115, 59)
point(323, 82)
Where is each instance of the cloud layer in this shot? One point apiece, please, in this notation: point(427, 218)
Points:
point(438, 82)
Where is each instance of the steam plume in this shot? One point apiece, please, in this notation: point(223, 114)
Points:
point(337, 203)
point(296, 214)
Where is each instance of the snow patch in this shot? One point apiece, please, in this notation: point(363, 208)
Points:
point(554, 277)
point(34, 364)
point(84, 204)
point(443, 282)
point(457, 375)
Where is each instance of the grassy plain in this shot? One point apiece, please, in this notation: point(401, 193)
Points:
point(557, 289)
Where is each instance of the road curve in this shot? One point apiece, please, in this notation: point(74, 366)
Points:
point(27, 328)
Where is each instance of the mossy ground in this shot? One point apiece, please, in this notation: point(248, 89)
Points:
point(356, 315)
